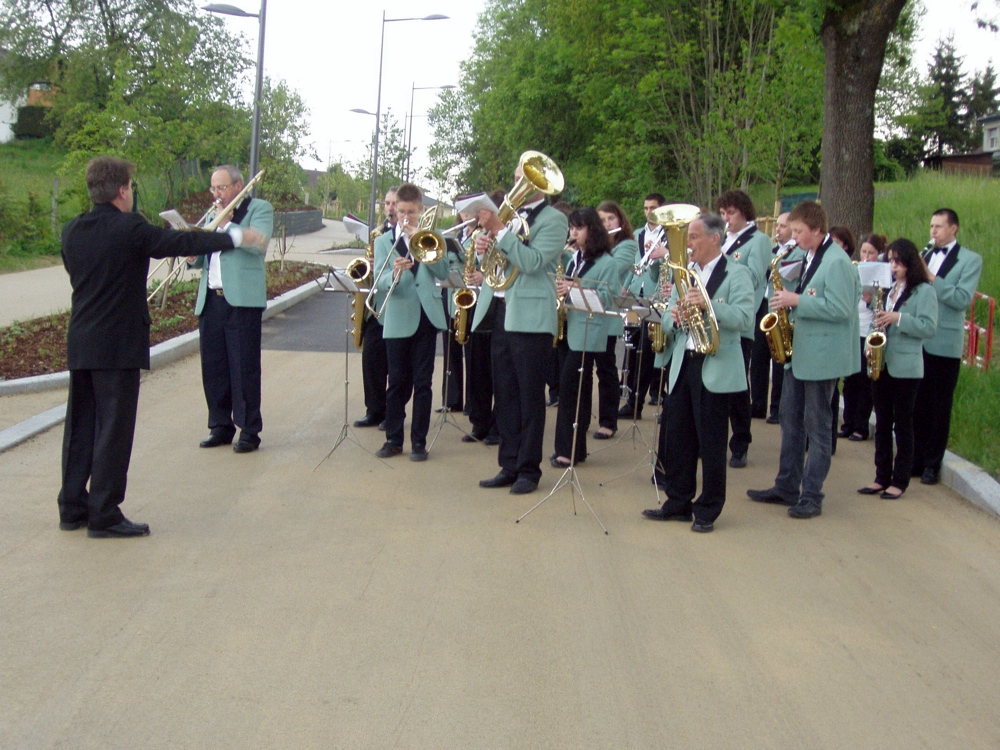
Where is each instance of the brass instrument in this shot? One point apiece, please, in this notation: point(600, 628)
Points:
point(701, 326)
point(562, 315)
point(465, 299)
point(776, 327)
point(875, 341)
point(656, 332)
point(539, 174)
point(360, 271)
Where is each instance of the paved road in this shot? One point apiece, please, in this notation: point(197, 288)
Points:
point(363, 605)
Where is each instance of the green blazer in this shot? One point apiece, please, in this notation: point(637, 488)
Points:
point(955, 287)
point(624, 258)
point(903, 353)
point(604, 273)
point(413, 292)
point(753, 250)
point(731, 289)
point(244, 283)
point(531, 299)
point(825, 345)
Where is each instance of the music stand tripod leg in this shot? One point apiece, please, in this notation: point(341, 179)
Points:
point(445, 417)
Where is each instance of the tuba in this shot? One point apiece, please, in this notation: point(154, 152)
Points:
point(776, 327)
point(538, 174)
point(875, 341)
point(701, 326)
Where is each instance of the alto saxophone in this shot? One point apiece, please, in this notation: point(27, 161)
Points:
point(875, 341)
point(561, 313)
point(360, 271)
point(776, 327)
point(465, 299)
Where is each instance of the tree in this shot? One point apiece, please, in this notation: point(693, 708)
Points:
point(947, 91)
point(981, 100)
point(854, 35)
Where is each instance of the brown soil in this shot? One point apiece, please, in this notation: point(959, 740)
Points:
point(38, 347)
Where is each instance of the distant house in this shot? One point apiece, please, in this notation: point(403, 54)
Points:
point(980, 161)
point(991, 132)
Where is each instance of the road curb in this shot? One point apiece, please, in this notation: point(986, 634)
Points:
point(159, 356)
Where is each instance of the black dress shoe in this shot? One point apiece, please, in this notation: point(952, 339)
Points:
point(658, 514)
point(702, 527)
point(523, 486)
point(469, 439)
point(604, 435)
point(890, 496)
point(123, 529)
point(215, 439)
point(773, 419)
point(246, 446)
point(491, 440)
point(628, 412)
point(503, 479)
point(844, 432)
point(367, 421)
point(805, 510)
point(553, 401)
point(930, 476)
point(419, 454)
point(768, 496)
point(72, 525)
point(381, 425)
point(857, 437)
point(388, 450)
point(654, 401)
point(738, 461)
point(870, 490)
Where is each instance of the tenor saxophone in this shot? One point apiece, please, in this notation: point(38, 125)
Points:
point(465, 299)
point(360, 271)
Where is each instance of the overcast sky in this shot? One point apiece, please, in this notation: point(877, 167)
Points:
point(329, 52)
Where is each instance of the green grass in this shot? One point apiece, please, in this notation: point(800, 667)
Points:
point(30, 166)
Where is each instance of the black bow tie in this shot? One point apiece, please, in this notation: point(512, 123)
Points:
point(937, 250)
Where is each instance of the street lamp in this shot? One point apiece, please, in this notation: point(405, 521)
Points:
point(232, 10)
point(409, 137)
point(378, 106)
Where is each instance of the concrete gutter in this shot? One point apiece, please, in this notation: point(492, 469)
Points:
point(159, 356)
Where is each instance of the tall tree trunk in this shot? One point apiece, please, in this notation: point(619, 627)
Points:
point(854, 38)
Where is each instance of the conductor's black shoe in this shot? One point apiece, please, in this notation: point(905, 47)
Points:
point(738, 461)
point(418, 454)
point(367, 421)
point(503, 479)
point(523, 486)
point(72, 525)
point(773, 419)
point(702, 527)
point(491, 440)
point(930, 476)
point(769, 496)
point(388, 450)
point(216, 439)
point(805, 510)
point(246, 446)
point(628, 411)
point(658, 514)
point(124, 528)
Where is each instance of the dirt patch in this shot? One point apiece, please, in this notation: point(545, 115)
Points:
point(38, 347)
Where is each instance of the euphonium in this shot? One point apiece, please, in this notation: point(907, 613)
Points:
point(539, 174)
point(776, 327)
point(875, 341)
point(465, 299)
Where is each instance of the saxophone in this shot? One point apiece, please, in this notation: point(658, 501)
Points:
point(561, 313)
point(875, 341)
point(465, 299)
point(776, 327)
point(360, 271)
point(657, 334)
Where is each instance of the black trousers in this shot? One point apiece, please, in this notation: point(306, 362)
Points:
point(569, 387)
point(519, 377)
point(894, 400)
point(858, 398)
point(230, 366)
point(640, 374)
point(97, 445)
point(932, 412)
point(739, 407)
point(454, 398)
point(697, 422)
point(552, 371)
point(608, 385)
point(411, 370)
point(374, 370)
point(760, 367)
point(479, 383)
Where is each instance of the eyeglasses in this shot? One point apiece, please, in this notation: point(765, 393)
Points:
point(220, 188)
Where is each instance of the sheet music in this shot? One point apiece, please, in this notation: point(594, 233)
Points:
point(586, 298)
point(475, 203)
point(870, 272)
point(174, 219)
point(454, 280)
point(791, 271)
point(358, 228)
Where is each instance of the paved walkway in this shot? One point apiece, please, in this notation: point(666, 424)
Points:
point(364, 604)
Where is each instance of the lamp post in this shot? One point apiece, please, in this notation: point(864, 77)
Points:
point(232, 10)
point(409, 137)
point(378, 107)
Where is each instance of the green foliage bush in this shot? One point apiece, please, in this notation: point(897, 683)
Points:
point(25, 226)
point(31, 123)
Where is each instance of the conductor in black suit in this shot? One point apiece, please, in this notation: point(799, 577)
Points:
point(106, 253)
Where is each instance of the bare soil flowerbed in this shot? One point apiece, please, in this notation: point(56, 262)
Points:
point(38, 347)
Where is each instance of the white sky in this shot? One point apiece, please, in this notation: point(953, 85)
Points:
point(329, 52)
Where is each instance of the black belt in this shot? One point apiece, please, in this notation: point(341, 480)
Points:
point(217, 291)
point(692, 354)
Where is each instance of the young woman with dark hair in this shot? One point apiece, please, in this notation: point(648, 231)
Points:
point(910, 316)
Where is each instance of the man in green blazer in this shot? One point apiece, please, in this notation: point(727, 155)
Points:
point(232, 296)
point(411, 317)
point(524, 323)
point(700, 385)
point(954, 274)
point(750, 247)
point(824, 309)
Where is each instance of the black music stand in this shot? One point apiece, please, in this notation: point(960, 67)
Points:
point(585, 301)
point(454, 280)
point(339, 282)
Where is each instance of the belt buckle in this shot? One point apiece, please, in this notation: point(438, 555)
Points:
point(218, 292)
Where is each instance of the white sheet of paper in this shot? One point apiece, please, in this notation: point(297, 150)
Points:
point(593, 299)
point(791, 271)
point(870, 272)
point(358, 228)
point(337, 280)
point(475, 203)
point(174, 219)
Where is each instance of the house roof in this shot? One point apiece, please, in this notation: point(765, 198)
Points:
point(990, 118)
